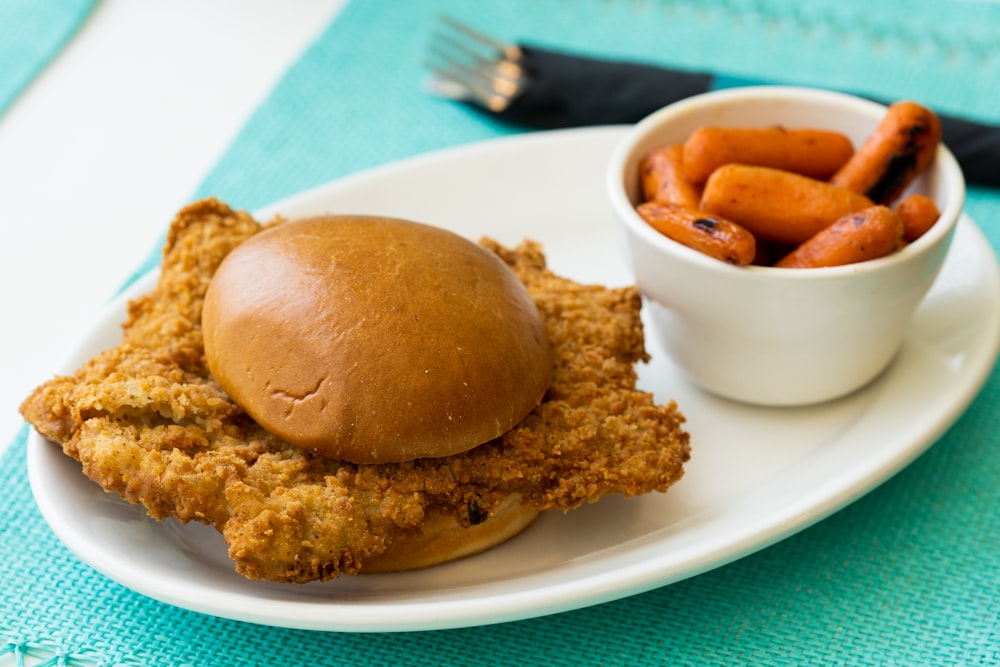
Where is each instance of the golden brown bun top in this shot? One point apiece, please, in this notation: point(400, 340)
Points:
point(374, 340)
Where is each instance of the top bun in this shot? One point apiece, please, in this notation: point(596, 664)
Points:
point(374, 340)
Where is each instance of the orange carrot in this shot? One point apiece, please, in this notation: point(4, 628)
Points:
point(857, 237)
point(777, 205)
point(714, 236)
point(663, 178)
point(810, 152)
point(918, 213)
point(901, 147)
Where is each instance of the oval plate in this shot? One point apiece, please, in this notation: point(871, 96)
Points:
point(757, 475)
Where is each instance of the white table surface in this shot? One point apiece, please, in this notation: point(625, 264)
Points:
point(108, 143)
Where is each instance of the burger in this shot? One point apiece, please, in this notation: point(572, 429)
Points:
point(347, 394)
point(377, 340)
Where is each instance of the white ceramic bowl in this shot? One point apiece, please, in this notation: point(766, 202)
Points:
point(777, 336)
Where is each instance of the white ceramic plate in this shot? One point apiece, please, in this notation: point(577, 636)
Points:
point(757, 475)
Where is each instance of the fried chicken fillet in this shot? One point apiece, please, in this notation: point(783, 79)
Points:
point(147, 421)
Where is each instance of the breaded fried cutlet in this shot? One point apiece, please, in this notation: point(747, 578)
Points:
point(148, 422)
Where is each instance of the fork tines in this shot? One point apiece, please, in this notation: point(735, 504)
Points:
point(469, 65)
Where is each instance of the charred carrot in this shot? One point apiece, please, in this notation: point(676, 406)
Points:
point(714, 236)
point(810, 152)
point(918, 213)
point(857, 237)
point(901, 147)
point(777, 205)
point(663, 178)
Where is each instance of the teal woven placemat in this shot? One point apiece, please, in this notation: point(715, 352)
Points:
point(908, 575)
point(32, 33)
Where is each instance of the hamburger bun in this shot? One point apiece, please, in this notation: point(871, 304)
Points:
point(374, 340)
point(442, 539)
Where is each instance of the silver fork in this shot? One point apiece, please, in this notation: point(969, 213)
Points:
point(468, 65)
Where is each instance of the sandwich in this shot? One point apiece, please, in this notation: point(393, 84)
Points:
point(350, 394)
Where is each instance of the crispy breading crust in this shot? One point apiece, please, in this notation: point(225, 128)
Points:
point(148, 422)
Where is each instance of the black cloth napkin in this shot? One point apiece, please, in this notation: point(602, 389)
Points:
point(573, 91)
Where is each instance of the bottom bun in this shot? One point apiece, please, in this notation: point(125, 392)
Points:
point(443, 539)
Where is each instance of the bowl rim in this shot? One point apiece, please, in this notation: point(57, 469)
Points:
point(945, 165)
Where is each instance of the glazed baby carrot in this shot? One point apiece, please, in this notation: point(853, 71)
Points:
point(902, 146)
point(857, 237)
point(918, 213)
point(777, 205)
point(810, 152)
point(714, 236)
point(663, 179)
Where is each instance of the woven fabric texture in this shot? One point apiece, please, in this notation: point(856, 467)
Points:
point(34, 33)
point(907, 575)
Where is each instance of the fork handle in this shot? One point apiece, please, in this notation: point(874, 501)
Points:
point(573, 91)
